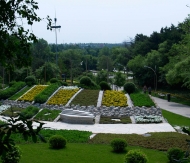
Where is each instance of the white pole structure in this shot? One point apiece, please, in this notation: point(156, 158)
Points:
point(55, 27)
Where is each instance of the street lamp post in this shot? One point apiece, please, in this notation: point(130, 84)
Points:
point(56, 27)
point(155, 83)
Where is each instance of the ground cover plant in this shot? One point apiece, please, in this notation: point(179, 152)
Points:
point(30, 111)
point(14, 88)
point(20, 93)
point(30, 95)
point(12, 112)
point(141, 99)
point(159, 141)
point(86, 98)
point(62, 96)
point(47, 115)
point(72, 136)
point(43, 96)
point(110, 120)
point(114, 98)
point(148, 119)
point(83, 152)
point(175, 119)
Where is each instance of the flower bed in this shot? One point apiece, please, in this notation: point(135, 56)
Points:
point(114, 98)
point(30, 95)
point(62, 96)
point(148, 119)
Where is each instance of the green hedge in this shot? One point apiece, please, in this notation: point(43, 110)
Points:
point(46, 93)
point(11, 90)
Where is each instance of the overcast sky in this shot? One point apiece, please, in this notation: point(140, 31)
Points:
point(108, 21)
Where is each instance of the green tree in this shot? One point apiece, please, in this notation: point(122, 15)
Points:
point(14, 35)
point(47, 71)
point(119, 79)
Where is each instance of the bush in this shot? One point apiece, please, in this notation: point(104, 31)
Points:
point(30, 80)
point(17, 86)
point(85, 80)
point(174, 153)
point(104, 86)
point(118, 145)
point(53, 80)
point(63, 83)
point(129, 87)
point(12, 156)
point(12, 83)
point(57, 142)
point(135, 156)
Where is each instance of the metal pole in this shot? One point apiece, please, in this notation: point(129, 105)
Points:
point(55, 27)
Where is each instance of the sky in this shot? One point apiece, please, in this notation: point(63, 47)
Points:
point(107, 21)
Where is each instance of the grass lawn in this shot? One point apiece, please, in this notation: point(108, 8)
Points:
point(82, 153)
point(175, 119)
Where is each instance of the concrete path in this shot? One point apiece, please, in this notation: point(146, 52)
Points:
point(177, 108)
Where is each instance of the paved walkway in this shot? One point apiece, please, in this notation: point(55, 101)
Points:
point(177, 108)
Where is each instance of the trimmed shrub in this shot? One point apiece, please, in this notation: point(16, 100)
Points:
point(13, 155)
point(129, 87)
point(57, 142)
point(63, 83)
point(30, 80)
point(85, 80)
point(118, 145)
point(53, 80)
point(174, 153)
point(135, 156)
point(104, 86)
point(11, 90)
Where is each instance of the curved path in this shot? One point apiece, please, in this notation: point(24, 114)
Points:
point(177, 108)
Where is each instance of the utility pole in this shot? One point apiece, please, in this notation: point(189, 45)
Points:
point(55, 27)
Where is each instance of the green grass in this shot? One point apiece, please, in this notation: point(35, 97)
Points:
point(47, 115)
point(175, 119)
point(141, 99)
point(72, 136)
point(20, 93)
point(12, 112)
point(86, 98)
point(82, 153)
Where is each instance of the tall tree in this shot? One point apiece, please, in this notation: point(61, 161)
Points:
point(14, 35)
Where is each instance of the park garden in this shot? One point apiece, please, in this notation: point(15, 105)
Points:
point(34, 73)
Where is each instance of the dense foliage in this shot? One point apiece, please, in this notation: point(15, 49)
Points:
point(43, 96)
point(11, 90)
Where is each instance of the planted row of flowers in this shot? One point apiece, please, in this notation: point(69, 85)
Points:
point(30, 95)
point(114, 98)
point(148, 119)
point(62, 96)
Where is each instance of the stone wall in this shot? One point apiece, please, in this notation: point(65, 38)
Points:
point(103, 110)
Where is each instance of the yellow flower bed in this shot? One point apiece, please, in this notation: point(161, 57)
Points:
point(114, 98)
point(29, 96)
point(62, 96)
